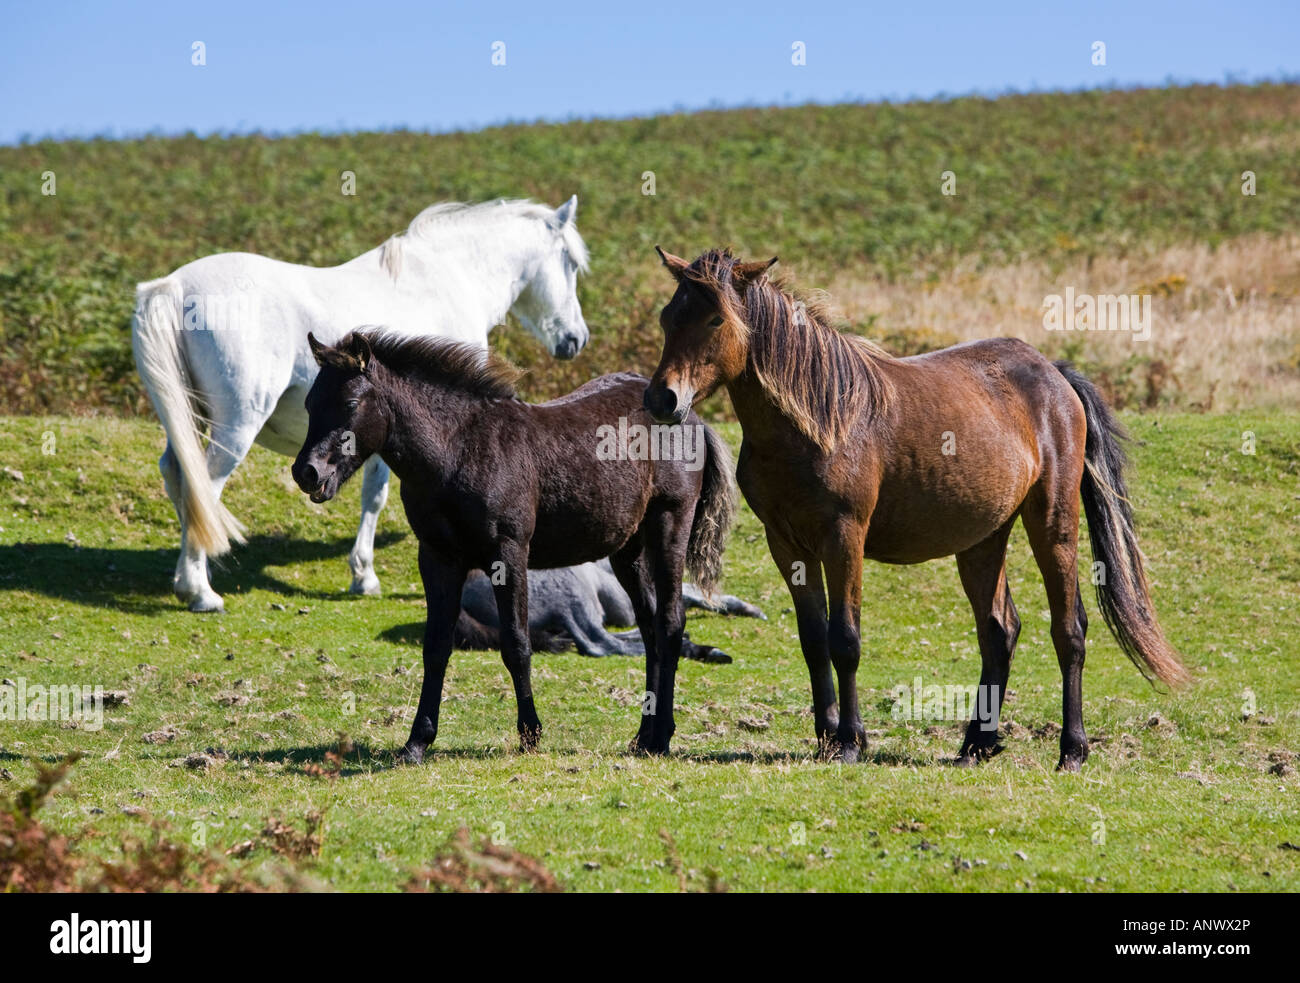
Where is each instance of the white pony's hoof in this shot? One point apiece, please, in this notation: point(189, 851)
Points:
point(367, 585)
point(208, 603)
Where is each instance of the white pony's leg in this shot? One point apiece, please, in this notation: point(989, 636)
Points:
point(189, 580)
point(374, 493)
point(229, 445)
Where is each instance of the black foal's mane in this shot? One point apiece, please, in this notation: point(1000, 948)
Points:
point(447, 364)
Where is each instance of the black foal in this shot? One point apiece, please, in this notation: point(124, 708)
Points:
point(494, 483)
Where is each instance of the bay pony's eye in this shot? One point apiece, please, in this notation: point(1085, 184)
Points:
point(716, 321)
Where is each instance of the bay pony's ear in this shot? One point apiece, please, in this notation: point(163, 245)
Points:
point(744, 274)
point(675, 264)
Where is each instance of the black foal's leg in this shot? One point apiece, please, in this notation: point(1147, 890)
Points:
point(632, 568)
point(802, 573)
point(443, 582)
point(997, 626)
point(844, 592)
point(669, 532)
point(516, 649)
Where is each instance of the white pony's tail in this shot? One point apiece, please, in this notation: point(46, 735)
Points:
point(155, 339)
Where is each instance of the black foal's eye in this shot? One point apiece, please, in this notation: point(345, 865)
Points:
point(351, 405)
point(716, 321)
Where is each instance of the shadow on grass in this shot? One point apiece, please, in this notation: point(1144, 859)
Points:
point(138, 581)
point(324, 760)
point(887, 758)
point(748, 757)
point(410, 634)
point(364, 758)
point(896, 758)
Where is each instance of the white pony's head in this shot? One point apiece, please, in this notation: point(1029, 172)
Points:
point(548, 304)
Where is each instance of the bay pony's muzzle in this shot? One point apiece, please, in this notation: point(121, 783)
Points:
point(665, 403)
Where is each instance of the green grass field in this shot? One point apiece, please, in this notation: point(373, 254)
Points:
point(1110, 191)
point(1201, 797)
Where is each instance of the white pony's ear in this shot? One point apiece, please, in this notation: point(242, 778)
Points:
point(568, 212)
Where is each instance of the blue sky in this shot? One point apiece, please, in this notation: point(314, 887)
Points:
point(121, 69)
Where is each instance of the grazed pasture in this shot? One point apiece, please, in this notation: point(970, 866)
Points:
point(1194, 791)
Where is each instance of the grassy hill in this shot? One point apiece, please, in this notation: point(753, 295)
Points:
point(847, 195)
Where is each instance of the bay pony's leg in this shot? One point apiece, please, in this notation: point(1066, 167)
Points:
point(844, 593)
point(802, 573)
point(983, 570)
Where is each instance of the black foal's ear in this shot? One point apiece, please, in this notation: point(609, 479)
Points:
point(361, 351)
point(744, 274)
point(675, 264)
point(317, 349)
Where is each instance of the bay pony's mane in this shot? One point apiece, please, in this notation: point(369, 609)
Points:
point(438, 362)
point(821, 379)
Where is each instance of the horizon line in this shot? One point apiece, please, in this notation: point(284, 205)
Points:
point(1230, 80)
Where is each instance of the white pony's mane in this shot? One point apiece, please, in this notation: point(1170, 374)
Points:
point(438, 220)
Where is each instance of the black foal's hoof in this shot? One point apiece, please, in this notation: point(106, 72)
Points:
point(847, 754)
point(530, 740)
point(409, 755)
point(1073, 755)
point(977, 754)
point(1071, 762)
point(842, 752)
point(645, 745)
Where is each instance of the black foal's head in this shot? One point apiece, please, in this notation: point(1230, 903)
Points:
point(346, 418)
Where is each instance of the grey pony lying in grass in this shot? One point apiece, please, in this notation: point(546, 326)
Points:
point(573, 606)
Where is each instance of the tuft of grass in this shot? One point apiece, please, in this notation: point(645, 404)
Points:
point(1201, 799)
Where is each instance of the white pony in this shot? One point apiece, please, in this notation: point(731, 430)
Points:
point(223, 340)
